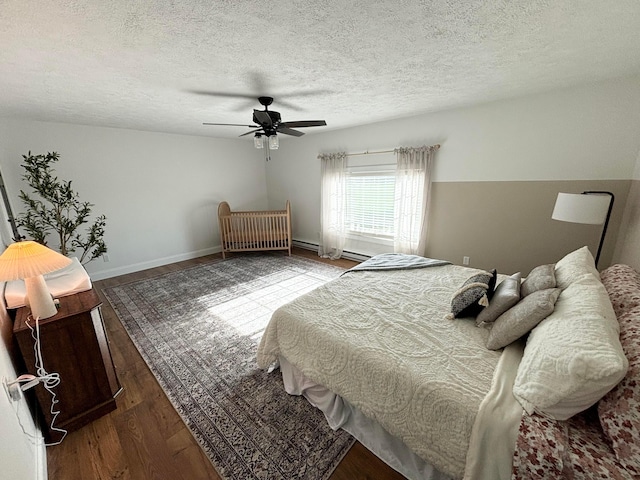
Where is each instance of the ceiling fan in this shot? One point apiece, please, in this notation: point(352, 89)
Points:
point(268, 123)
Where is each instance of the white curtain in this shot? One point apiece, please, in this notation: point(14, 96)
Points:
point(333, 204)
point(412, 197)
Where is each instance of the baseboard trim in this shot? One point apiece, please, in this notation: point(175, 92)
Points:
point(41, 459)
point(358, 257)
point(136, 267)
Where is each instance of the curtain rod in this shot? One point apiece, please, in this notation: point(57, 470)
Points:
point(376, 152)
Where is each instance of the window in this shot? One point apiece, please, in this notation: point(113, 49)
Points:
point(370, 195)
point(368, 203)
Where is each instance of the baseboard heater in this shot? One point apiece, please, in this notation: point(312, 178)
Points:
point(358, 257)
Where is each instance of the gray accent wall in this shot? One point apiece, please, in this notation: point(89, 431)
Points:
point(628, 246)
point(508, 225)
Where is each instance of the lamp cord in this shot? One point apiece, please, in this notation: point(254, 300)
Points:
point(49, 380)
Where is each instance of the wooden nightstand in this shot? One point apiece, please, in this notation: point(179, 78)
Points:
point(74, 344)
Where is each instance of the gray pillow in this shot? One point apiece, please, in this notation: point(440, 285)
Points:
point(520, 319)
point(507, 294)
point(540, 278)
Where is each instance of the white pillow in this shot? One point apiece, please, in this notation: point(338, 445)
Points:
point(573, 266)
point(573, 357)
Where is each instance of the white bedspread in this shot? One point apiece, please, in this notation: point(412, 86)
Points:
point(389, 350)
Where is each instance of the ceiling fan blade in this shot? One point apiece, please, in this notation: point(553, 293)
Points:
point(223, 94)
point(262, 117)
point(258, 83)
point(289, 131)
point(281, 99)
point(250, 132)
point(250, 99)
point(231, 124)
point(305, 93)
point(289, 105)
point(305, 123)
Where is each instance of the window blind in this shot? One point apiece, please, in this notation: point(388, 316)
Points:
point(370, 203)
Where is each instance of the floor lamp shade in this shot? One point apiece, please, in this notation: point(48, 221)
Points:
point(581, 208)
point(590, 208)
point(29, 261)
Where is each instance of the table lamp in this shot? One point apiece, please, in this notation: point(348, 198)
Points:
point(29, 260)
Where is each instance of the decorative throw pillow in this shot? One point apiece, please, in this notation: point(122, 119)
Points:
point(506, 295)
point(540, 278)
point(520, 319)
point(573, 357)
point(471, 297)
point(619, 410)
point(492, 283)
point(573, 266)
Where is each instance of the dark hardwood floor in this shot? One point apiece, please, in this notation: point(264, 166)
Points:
point(145, 438)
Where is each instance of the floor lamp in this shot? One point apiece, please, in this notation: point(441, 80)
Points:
point(592, 207)
point(29, 260)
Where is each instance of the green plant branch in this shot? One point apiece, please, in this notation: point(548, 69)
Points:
point(59, 211)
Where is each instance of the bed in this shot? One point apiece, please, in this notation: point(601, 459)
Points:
point(380, 354)
point(245, 231)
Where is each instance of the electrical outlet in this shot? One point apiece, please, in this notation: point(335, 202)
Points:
point(14, 392)
point(465, 260)
point(105, 257)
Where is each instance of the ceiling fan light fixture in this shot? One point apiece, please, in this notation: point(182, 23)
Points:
point(268, 123)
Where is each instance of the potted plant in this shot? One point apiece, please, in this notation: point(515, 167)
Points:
point(55, 208)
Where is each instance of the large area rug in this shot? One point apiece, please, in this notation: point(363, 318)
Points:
point(198, 330)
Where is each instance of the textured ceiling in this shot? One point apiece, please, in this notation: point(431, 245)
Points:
point(138, 63)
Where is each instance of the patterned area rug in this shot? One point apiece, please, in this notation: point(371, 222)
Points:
point(198, 330)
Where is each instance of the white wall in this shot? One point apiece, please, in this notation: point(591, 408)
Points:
point(160, 192)
point(628, 247)
point(581, 133)
point(26, 457)
point(22, 455)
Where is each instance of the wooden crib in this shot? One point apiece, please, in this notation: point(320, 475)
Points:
point(254, 231)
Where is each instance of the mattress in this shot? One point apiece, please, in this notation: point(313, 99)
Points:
point(382, 342)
